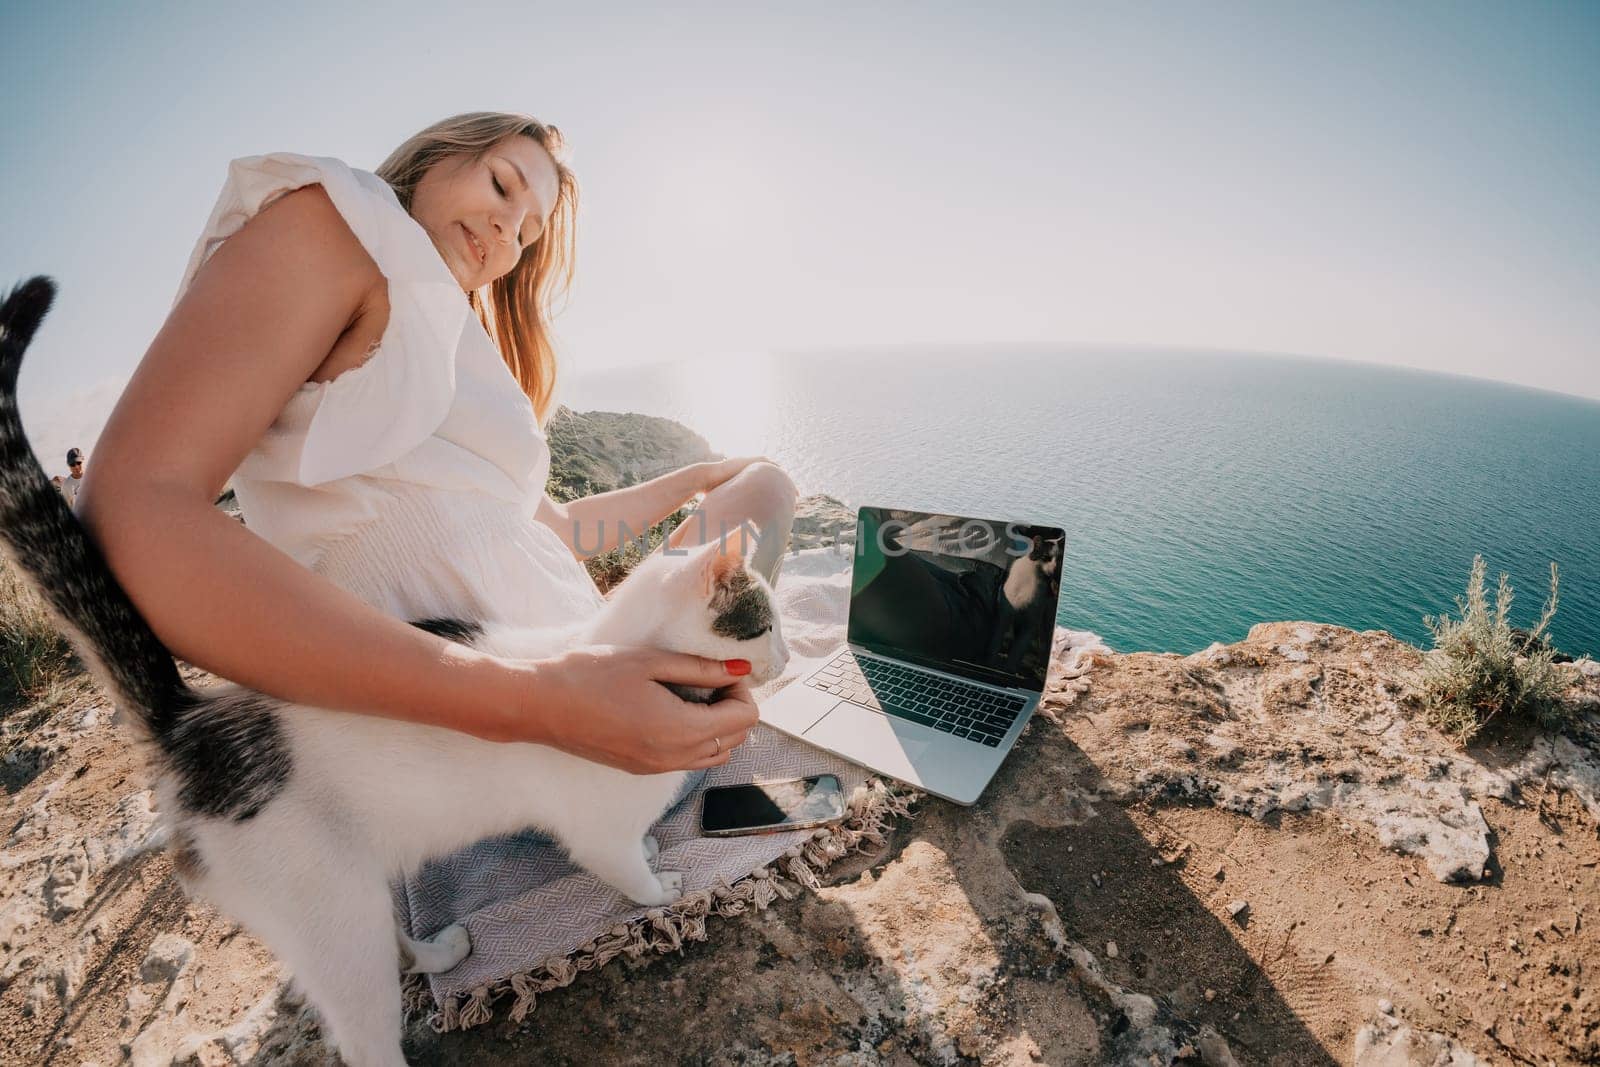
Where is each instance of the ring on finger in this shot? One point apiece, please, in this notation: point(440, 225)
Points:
point(718, 752)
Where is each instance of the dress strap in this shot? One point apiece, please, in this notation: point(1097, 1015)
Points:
point(374, 413)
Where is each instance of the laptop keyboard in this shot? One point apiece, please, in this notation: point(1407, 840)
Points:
point(967, 711)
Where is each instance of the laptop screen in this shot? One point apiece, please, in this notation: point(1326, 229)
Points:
point(974, 597)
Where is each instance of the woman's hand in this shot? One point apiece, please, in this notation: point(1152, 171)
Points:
point(606, 703)
point(715, 472)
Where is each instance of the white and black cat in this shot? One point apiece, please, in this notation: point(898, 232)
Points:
point(294, 819)
point(1023, 607)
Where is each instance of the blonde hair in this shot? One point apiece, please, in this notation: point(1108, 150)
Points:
point(516, 312)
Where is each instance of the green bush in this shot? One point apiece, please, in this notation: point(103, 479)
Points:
point(609, 568)
point(33, 654)
point(1483, 668)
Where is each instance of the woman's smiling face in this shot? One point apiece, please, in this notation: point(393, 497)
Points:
point(481, 213)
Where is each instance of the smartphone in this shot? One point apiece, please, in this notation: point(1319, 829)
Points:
point(770, 807)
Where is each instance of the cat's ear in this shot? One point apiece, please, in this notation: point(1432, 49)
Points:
point(719, 563)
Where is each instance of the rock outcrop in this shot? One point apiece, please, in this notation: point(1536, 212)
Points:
point(1402, 901)
point(821, 520)
point(1257, 854)
point(598, 451)
point(1301, 717)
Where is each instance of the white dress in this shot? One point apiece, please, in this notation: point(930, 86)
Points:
point(412, 479)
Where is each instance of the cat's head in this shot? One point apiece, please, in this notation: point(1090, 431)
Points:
point(1046, 551)
point(707, 601)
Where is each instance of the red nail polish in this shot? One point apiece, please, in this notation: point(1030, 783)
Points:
point(737, 666)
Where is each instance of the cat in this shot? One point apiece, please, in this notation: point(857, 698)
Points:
point(294, 819)
point(1032, 583)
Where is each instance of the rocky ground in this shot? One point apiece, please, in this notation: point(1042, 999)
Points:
point(1255, 854)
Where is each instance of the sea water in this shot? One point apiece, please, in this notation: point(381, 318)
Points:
point(1201, 492)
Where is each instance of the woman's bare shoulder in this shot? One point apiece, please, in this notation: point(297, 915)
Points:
point(259, 318)
point(305, 225)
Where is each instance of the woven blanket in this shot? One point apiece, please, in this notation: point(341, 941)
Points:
point(536, 920)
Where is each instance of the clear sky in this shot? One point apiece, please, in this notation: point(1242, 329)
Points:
point(1410, 183)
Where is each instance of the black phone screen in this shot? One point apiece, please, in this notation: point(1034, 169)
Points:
point(802, 801)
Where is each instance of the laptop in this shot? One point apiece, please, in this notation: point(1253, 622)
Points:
point(948, 644)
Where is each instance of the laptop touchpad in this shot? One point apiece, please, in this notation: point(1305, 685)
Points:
point(885, 744)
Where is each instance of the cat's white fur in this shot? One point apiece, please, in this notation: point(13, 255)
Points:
point(370, 798)
point(1027, 577)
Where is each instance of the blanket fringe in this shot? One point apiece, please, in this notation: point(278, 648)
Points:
point(873, 808)
point(414, 996)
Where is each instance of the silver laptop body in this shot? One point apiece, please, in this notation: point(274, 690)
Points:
point(950, 629)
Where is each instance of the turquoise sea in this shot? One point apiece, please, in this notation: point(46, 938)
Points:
point(1201, 492)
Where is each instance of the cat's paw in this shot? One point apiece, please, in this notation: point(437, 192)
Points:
point(440, 952)
point(671, 884)
point(667, 887)
point(454, 945)
point(652, 849)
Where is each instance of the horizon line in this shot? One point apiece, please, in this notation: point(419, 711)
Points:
point(1055, 346)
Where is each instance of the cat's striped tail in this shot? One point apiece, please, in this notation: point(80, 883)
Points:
point(45, 541)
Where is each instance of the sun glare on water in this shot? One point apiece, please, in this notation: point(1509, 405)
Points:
point(733, 404)
point(728, 400)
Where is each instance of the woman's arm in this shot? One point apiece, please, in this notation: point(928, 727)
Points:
point(604, 521)
point(596, 524)
point(260, 317)
point(223, 365)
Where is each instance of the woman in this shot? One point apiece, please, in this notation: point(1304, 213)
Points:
point(368, 359)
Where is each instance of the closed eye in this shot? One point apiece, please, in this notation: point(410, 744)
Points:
point(751, 637)
point(501, 190)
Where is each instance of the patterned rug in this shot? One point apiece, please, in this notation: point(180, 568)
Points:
point(537, 922)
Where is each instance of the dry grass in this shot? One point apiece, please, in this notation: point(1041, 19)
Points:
point(33, 654)
point(1483, 668)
